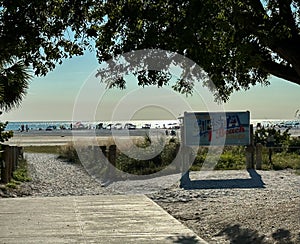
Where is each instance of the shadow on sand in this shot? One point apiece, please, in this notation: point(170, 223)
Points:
point(254, 182)
point(237, 234)
point(184, 239)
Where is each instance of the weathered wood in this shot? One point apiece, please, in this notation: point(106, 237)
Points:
point(112, 154)
point(270, 145)
point(270, 155)
point(20, 153)
point(7, 173)
point(9, 162)
point(2, 167)
point(14, 158)
point(186, 159)
point(249, 157)
point(258, 158)
point(90, 219)
point(250, 151)
point(178, 160)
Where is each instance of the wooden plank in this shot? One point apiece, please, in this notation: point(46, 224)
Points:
point(90, 219)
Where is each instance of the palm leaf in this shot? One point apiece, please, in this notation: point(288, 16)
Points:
point(14, 82)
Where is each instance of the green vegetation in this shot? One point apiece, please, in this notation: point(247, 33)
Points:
point(238, 43)
point(4, 135)
point(20, 175)
point(42, 149)
point(69, 153)
point(132, 164)
point(233, 157)
point(284, 150)
point(281, 160)
point(13, 184)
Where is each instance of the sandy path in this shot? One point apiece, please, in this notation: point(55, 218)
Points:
point(220, 206)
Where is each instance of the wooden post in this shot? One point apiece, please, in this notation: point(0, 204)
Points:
point(249, 157)
point(270, 145)
point(20, 153)
point(270, 156)
point(95, 162)
point(258, 158)
point(94, 152)
point(6, 165)
point(2, 167)
point(11, 162)
point(14, 158)
point(250, 151)
point(178, 160)
point(186, 157)
point(112, 155)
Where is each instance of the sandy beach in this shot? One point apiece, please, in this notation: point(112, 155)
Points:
point(62, 137)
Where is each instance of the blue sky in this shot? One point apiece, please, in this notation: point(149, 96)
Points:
point(52, 97)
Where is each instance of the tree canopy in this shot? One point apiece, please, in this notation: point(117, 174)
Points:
point(239, 43)
point(43, 33)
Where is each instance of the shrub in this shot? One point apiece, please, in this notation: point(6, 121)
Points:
point(21, 173)
point(162, 157)
point(69, 153)
point(229, 160)
point(41, 149)
point(294, 145)
point(233, 157)
point(281, 139)
point(285, 160)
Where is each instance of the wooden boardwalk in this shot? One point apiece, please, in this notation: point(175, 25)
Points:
point(90, 219)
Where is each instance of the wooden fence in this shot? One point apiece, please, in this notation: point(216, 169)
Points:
point(10, 156)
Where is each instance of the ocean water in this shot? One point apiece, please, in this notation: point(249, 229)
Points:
point(42, 125)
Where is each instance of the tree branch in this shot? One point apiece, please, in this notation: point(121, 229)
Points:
point(285, 12)
point(258, 6)
point(289, 50)
point(281, 71)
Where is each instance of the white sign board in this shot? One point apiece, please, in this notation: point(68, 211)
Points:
point(216, 128)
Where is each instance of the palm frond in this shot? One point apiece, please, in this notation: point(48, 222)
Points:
point(14, 82)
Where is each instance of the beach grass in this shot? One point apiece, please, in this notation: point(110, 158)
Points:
point(21, 174)
point(232, 158)
point(42, 149)
point(282, 160)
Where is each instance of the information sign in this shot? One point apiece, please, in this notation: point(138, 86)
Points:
point(216, 128)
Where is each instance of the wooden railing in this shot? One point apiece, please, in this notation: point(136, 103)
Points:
point(9, 158)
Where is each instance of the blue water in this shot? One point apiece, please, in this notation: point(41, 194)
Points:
point(42, 125)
